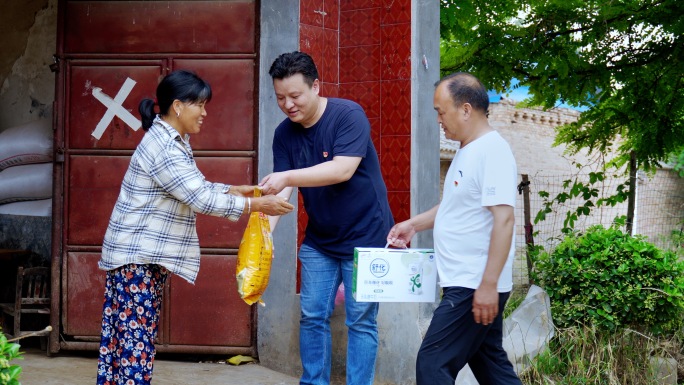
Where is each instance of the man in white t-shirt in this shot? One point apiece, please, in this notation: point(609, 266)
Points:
point(474, 246)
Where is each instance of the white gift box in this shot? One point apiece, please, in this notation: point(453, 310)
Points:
point(394, 275)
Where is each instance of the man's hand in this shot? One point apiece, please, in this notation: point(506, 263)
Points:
point(274, 183)
point(485, 304)
point(400, 234)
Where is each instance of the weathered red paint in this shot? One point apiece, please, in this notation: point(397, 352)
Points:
point(146, 27)
point(101, 44)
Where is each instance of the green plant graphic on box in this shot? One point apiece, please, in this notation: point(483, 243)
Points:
point(414, 263)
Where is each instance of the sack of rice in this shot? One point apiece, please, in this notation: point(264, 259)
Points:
point(26, 144)
point(26, 183)
point(39, 208)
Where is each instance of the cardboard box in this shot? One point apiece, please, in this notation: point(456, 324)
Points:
point(394, 275)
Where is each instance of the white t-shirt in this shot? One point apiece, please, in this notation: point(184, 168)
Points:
point(482, 174)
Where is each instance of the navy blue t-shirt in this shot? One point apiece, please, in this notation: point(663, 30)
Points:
point(350, 214)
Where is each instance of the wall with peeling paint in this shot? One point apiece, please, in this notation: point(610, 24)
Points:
point(29, 31)
point(27, 86)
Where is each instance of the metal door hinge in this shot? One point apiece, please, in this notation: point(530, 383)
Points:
point(54, 67)
point(59, 155)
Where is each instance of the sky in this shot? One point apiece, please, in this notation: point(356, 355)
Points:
point(521, 93)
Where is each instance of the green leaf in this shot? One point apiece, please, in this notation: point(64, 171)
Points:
point(568, 51)
point(14, 371)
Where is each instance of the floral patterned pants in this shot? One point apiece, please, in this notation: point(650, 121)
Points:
point(132, 302)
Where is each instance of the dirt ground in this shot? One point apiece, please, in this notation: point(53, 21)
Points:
point(79, 368)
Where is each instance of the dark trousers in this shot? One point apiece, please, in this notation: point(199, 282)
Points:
point(454, 340)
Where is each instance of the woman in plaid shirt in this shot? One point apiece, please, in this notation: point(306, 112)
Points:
point(152, 229)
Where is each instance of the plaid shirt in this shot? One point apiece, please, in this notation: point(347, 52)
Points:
point(153, 221)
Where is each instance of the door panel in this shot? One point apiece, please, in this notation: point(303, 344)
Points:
point(85, 284)
point(147, 27)
point(207, 313)
point(229, 124)
point(210, 312)
point(94, 184)
point(130, 45)
point(216, 232)
point(86, 112)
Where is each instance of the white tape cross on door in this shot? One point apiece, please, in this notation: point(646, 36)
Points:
point(115, 108)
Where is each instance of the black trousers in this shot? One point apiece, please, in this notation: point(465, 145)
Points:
point(453, 340)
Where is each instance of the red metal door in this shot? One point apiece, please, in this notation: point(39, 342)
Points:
point(112, 54)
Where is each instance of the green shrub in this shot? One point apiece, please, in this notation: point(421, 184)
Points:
point(9, 374)
point(609, 279)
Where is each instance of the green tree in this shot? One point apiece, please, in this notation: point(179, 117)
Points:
point(623, 60)
point(678, 162)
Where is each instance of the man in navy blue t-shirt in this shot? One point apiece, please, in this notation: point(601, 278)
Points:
point(324, 148)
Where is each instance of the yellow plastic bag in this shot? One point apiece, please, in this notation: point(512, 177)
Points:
point(254, 257)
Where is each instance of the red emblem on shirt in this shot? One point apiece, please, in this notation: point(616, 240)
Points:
point(456, 183)
point(325, 154)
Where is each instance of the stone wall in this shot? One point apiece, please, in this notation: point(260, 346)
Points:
point(660, 207)
point(29, 30)
point(27, 85)
point(531, 133)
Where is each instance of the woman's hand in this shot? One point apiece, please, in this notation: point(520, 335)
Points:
point(242, 190)
point(271, 205)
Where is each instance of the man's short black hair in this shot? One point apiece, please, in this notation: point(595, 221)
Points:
point(293, 63)
point(466, 88)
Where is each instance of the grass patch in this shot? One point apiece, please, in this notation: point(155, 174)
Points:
point(585, 355)
point(514, 300)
